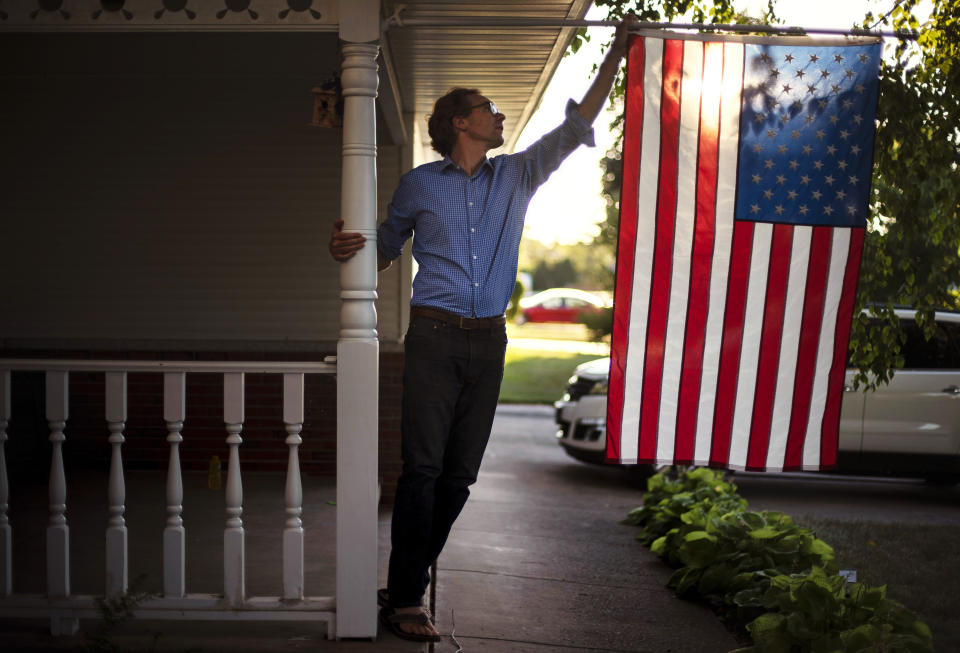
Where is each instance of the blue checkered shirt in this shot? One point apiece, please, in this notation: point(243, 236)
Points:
point(466, 228)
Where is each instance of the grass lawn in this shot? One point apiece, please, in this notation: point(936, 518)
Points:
point(918, 564)
point(538, 377)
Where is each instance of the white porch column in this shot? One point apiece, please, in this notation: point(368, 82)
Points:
point(358, 348)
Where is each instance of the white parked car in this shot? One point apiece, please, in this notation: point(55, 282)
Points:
point(910, 427)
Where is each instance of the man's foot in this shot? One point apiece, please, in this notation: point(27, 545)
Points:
point(411, 623)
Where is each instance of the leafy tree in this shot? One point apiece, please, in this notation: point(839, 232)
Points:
point(912, 247)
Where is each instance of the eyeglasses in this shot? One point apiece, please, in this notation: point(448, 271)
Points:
point(488, 105)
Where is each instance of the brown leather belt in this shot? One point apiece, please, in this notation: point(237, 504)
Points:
point(457, 320)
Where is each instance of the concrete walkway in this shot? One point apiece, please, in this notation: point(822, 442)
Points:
point(537, 562)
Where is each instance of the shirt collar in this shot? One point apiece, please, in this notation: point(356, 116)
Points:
point(448, 163)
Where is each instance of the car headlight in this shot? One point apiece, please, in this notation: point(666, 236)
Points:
point(600, 388)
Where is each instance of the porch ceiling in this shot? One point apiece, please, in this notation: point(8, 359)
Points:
point(510, 65)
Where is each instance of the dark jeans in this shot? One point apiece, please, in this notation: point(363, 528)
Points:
point(451, 382)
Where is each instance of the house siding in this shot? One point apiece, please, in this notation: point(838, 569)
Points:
point(163, 197)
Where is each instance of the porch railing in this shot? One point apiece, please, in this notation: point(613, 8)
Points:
point(65, 609)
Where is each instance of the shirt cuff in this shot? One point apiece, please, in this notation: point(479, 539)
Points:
point(582, 129)
point(383, 248)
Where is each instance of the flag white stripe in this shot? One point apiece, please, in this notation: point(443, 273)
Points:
point(750, 345)
point(839, 250)
point(643, 253)
point(689, 135)
point(789, 347)
point(723, 240)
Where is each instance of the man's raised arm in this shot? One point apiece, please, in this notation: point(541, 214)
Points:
point(590, 105)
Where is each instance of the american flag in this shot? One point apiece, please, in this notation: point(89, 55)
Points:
point(747, 166)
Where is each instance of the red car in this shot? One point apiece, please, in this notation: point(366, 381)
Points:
point(559, 305)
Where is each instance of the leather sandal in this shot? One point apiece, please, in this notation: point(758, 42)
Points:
point(392, 620)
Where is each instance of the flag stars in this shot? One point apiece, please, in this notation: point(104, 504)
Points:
point(795, 134)
point(794, 164)
point(814, 58)
point(857, 118)
point(805, 180)
point(828, 210)
point(821, 134)
point(838, 58)
point(781, 180)
point(864, 58)
point(834, 119)
point(848, 73)
point(754, 208)
point(778, 209)
point(844, 134)
point(841, 195)
point(767, 194)
point(842, 164)
point(788, 57)
point(807, 149)
point(816, 195)
point(756, 178)
point(851, 209)
point(810, 118)
point(860, 88)
point(800, 74)
point(854, 179)
point(758, 118)
point(768, 164)
point(787, 88)
point(771, 133)
point(782, 149)
point(811, 88)
point(855, 150)
point(824, 74)
point(818, 165)
point(835, 88)
point(847, 104)
point(758, 148)
point(829, 180)
point(822, 104)
point(766, 58)
point(784, 119)
point(803, 209)
point(792, 194)
point(774, 72)
point(831, 150)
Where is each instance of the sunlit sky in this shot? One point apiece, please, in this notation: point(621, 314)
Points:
point(568, 206)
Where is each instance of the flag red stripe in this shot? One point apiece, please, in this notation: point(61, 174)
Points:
point(830, 431)
point(814, 295)
point(736, 304)
point(769, 359)
point(626, 244)
point(701, 257)
point(663, 249)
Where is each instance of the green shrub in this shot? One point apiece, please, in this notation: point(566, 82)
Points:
point(765, 572)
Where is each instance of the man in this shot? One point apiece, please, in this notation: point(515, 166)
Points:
point(466, 215)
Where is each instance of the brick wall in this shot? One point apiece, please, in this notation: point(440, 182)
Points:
point(263, 434)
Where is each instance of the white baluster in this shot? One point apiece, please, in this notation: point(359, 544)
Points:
point(116, 414)
point(233, 536)
point(6, 535)
point(174, 535)
point(58, 533)
point(293, 531)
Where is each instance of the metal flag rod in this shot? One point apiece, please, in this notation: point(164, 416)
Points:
point(502, 21)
